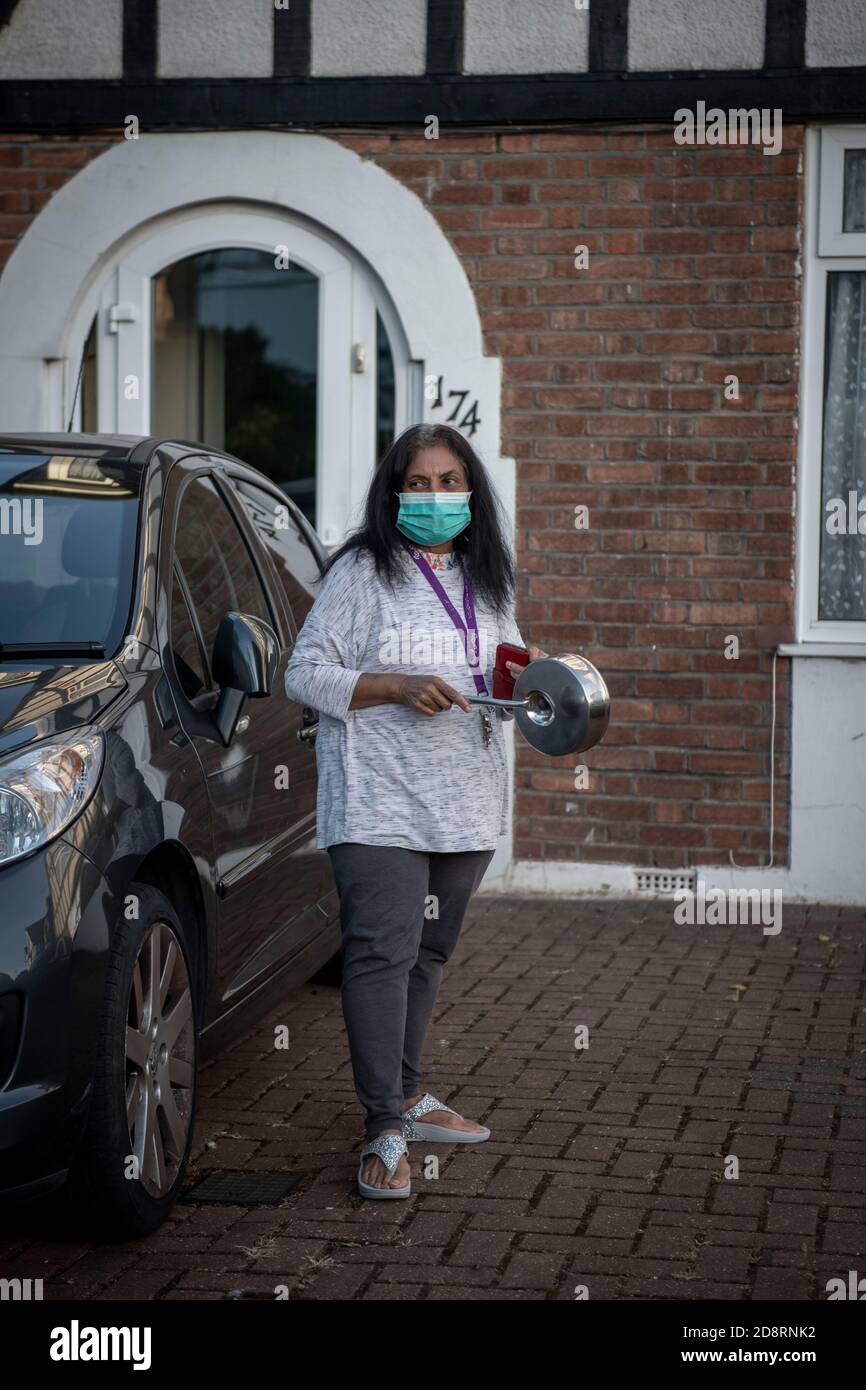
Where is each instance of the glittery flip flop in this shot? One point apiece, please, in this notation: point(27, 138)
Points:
point(436, 1134)
point(390, 1148)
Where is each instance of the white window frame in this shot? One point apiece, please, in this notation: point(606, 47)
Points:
point(827, 249)
point(832, 241)
point(349, 297)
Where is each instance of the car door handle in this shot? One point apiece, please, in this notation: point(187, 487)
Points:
point(308, 734)
point(243, 724)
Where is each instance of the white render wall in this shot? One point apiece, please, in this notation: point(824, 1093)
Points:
point(47, 39)
point(368, 38)
point(79, 38)
point(689, 34)
point(215, 38)
point(835, 33)
point(513, 36)
point(828, 778)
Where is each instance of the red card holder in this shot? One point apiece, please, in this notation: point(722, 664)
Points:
point(503, 681)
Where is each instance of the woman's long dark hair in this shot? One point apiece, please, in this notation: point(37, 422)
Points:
point(482, 548)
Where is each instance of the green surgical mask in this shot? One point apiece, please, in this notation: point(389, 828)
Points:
point(433, 517)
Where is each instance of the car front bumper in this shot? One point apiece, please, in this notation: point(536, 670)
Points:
point(56, 912)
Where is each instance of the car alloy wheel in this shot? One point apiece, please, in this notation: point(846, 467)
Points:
point(160, 1048)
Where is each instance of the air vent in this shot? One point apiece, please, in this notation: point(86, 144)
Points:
point(663, 883)
point(243, 1189)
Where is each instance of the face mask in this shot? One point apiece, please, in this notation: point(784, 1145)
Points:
point(433, 517)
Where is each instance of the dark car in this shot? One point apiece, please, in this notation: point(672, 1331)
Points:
point(159, 880)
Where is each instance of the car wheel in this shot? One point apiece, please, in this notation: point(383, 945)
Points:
point(132, 1160)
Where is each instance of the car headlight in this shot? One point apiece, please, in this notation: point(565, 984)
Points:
point(44, 788)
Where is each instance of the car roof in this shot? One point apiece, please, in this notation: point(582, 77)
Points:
point(115, 446)
point(137, 450)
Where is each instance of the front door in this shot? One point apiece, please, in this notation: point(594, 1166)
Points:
point(251, 332)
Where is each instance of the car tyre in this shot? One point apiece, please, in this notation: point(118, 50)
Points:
point(130, 1166)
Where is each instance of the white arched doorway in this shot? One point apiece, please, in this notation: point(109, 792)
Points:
point(379, 259)
point(203, 295)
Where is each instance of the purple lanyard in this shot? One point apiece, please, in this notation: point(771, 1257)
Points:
point(471, 624)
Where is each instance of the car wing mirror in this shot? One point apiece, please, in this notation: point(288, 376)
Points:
point(245, 658)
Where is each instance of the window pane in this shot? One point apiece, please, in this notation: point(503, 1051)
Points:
point(384, 390)
point(67, 548)
point(184, 645)
point(294, 561)
point(235, 347)
point(215, 561)
point(89, 423)
point(843, 493)
point(854, 217)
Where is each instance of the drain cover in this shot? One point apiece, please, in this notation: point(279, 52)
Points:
point(244, 1189)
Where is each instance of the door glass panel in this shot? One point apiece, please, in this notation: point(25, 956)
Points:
point(294, 561)
point(843, 530)
point(216, 564)
point(89, 422)
point(184, 645)
point(854, 219)
point(235, 354)
point(385, 393)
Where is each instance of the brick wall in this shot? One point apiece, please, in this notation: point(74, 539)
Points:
point(613, 398)
point(32, 168)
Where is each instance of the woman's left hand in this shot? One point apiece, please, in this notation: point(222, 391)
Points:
point(534, 654)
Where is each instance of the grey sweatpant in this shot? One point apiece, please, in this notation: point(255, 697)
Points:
point(393, 956)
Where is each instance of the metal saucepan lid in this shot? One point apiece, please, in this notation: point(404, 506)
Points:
point(561, 704)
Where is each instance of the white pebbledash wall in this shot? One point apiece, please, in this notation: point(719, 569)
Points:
point(689, 34)
point(357, 38)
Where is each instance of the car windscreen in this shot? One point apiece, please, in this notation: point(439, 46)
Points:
point(67, 549)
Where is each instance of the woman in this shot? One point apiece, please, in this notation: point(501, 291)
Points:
point(412, 778)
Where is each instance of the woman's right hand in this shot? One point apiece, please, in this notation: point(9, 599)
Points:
point(429, 695)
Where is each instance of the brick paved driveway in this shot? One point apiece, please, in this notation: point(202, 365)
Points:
point(607, 1165)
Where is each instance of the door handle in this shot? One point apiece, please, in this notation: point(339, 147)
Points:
point(308, 734)
point(243, 724)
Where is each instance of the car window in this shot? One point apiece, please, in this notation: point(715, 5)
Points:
point(294, 560)
point(68, 530)
point(185, 650)
point(216, 563)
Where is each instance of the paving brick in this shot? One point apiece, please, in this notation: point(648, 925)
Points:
point(481, 1248)
point(533, 1271)
point(611, 1222)
point(783, 1284)
point(723, 1265)
point(845, 1237)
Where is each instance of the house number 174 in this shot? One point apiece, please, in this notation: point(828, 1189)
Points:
point(434, 394)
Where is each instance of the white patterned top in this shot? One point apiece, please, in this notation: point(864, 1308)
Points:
point(389, 775)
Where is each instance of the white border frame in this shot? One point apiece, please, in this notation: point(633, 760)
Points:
point(832, 241)
point(809, 627)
